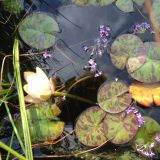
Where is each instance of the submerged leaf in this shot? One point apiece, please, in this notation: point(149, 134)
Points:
point(113, 97)
point(38, 30)
point(145, 94)
point(89, 127)
point(120, 127)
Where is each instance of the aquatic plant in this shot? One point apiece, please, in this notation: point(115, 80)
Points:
point(13, 6)
point(113, 97)
point(43, 123)
point(39, 87)
point(38, 30)
point(145, 139)
point(123, 5)
point(150, 93)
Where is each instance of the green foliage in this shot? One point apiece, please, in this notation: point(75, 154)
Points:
point(12, 6)
point(123, 5)
point(121, 127)
point(43, 123)
point(113, 97)
point(89, 127)
point(156, 12)
point(38, 30)
point(147, 134)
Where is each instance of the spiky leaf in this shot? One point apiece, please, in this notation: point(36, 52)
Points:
point(113, 97)
point(38, 30)
point(146, 134)
point(89, 127)
point(120, 127)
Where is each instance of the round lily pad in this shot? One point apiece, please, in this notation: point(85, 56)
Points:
point(113, 97)
point(149, 71)
point(135, 63)
point(125, 5)
point(146, 134)
point(89, 127)
point(38, 30)
point(120, 128)
point(124, 47)
point(93, 2)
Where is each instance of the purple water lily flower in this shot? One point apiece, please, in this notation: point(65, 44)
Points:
point(141, 28)
point(46, 55)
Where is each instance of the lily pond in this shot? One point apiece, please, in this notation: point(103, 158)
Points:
point(80, 79)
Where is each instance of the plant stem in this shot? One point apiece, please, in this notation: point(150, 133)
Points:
point(61, 94)
point(25, 127)
point(5, 147)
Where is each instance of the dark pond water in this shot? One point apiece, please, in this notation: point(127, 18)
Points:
point(79, 27)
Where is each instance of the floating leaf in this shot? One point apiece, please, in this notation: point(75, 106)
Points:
point(135, 63)
point(89, 127)
point(125, 5)
point(149, 71)
point(124, 47)
point(113, 97)
point(38, 30)
point(43, 111)
point(156, 13)
point(43, 130)
point(146, 134)
point(93, 2)
point(150, 92)
point(13, 6)
point(43, 123)
point(120, 127)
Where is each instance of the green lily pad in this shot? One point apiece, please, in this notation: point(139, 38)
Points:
point(44, 125)
point(93, 2)
point(43, 112)
point(13, 6)
point(149, 71)
point(135, 63)
point(120, 128)
point(139, 2)
point(124, 47)
point(89, 127)
point(113, 97)
point(146, 134)
point(125, 5)
point(43, 130)
point(38, 30)
point(156, 12)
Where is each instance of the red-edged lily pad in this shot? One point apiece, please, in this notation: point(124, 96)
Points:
point(89, 127)
point(120, 128)
point(113, 97)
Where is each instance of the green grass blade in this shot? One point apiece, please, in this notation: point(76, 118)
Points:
point(13, 152)
point(14, 127)
point(27, 140)
point(11, 142)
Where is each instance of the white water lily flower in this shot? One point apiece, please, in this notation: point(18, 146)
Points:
point(39, 87)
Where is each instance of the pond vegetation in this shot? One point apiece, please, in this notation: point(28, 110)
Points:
point(95, 101)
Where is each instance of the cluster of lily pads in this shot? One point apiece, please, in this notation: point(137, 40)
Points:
point(118, 121)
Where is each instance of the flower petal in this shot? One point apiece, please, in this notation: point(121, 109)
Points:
point(29, 76)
